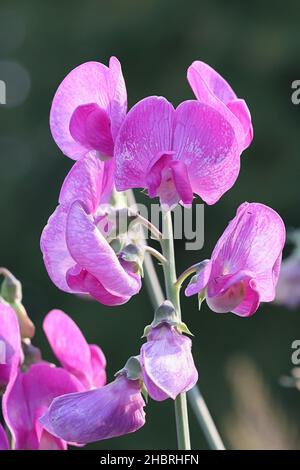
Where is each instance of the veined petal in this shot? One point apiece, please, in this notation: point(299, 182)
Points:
point(206, 142)
point(167, 363)
point(113, 410)
point(29, 396)
point(92, 252)
point(88, 83)
point(118, 97)
point(145, 134)
point(71, 348)
point(56, 254)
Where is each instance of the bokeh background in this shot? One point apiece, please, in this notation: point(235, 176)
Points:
point(256, 46)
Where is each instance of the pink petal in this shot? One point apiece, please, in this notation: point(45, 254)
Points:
point(56, 254)
point(4, 444)
point(85, 182)
point(118, 101)
point(200, 280)
point(98, 361)
point(11, 343)
point(79, 280)
point(250, 303)
point(28, 398)
point(89, 83)
point(206, 142)
point(145, 134)
point(167, 363)
point(253, 241)
point(90, 126)
point(110, 411)
point(92, 252)
point(71, 348)
point(241, 111)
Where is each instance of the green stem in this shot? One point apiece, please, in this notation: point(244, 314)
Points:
point(181, 413)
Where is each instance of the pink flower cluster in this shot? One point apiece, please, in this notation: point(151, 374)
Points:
point(174, 154)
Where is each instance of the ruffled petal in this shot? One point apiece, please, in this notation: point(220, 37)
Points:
point(206, 142)
point(168, 367)
point(145, 134)
point(92, 252)
point(88, 83)
point(56, 254)
point(111, 411)
point(71, 348)
point(28, 398)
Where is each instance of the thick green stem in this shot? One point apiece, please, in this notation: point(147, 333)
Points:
point(181, 413)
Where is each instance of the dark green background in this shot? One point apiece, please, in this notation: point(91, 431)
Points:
point(256, 46)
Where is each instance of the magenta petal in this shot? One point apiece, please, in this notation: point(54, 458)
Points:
point(90, 126)
point(145, 134)
point(118, 98)
point(85, 182)
point(206, 142)
point(4, 444)
point(241, 111)
point(98, 363)
point(200, 280)
point(92, 252)
point(205, 81)
point(168, 367)
point(10, 339)
point(111, 411)
point(56, 254)
point(71, 348)
point(250, 303)
point(29, 397)
point(182, 182)
point(79, 280)
point(88, 83)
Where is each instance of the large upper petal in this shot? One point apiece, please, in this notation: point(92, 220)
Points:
point(72, 350)
point(253, 241)
point(145, 134)
point(92, 252)
point(113, 410)
point(91, 82)
point(28, 398)
point(167, 363)
point(211, 88)
point(10, 339)
point(206, 142)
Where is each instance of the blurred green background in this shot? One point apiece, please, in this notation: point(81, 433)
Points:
point(256, 46)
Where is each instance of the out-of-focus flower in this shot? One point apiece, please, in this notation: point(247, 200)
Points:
point(4, 444)
point(168, 367)
point(244, 267)
point(211, 88)
point(288, 287)
point(10, 344)
point(86, 361)
point(175, 153)
point(111, 411)
point(77, 253)
point(88, 109)
point(28, 397)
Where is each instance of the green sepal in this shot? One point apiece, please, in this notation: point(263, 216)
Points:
point(183, 328)
point(132, 369)
point(145, 393)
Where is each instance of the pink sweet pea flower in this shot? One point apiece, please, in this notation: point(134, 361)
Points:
point(210, 88)
point(168, 367)
point(28, 397)
point(88, 109)
point(288, 287)
point(87, 362)
point(111, 411)
point(175, 153)
point(244, 267)
point(10, 344)
point(77, 255)
point(4, 444)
